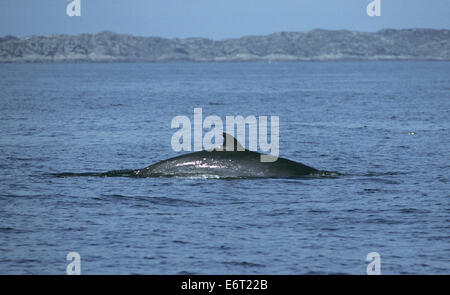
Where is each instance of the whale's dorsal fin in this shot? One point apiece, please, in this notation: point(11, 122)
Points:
point(231, 144)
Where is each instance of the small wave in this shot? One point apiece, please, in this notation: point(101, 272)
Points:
point(173, 202)
point(389, 173)
point(11, 230)
point(375, 174)
point(318, 211)
point(243, 263)
point(179, 242)
point(384, 221)
point(159, 200)
point(186, 273)
point(413, 211)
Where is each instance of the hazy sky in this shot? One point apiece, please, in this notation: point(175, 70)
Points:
point(215, 19)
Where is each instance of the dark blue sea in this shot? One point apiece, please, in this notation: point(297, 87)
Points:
point(384, 126)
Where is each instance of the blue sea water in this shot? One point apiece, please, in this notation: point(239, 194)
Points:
point(385, 126)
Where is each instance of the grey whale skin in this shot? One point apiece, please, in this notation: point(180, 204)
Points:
point(221, 163)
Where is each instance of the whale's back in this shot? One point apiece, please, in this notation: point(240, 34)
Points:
point(225, 164)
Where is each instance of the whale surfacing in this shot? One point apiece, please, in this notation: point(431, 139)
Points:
point(223, 163)
point(234, 162)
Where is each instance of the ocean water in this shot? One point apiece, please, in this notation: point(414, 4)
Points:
point(385, 126)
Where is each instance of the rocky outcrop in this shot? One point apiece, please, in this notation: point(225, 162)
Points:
point(387, 44)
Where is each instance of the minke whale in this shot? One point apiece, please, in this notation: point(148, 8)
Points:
point(218, 163)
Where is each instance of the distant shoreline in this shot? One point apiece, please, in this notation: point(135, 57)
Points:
point(81, 62)
point(315, 45)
